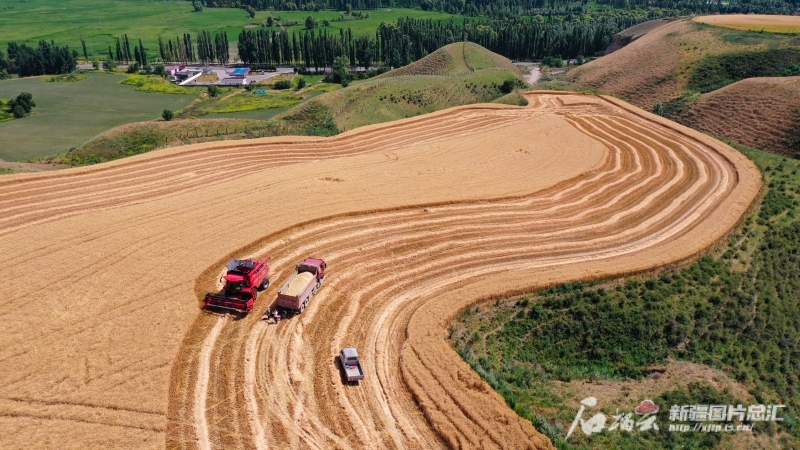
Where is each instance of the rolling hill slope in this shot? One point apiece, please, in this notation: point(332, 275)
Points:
point(686, 57)
point(758, 112)
point(729, 83)
point(457, 74)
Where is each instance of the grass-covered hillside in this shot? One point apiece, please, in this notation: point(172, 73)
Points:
point(670, 68)
point(724, 330)
point(457, 74)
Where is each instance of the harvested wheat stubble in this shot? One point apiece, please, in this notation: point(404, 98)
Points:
point(433, 214)
point(754, 22)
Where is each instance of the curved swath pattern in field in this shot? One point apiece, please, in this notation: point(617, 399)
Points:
point(150, 177)
point(396, 278)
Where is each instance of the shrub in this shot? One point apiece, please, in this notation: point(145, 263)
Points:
point(552, 61)
point(18, 111)
point(22, 105)
point(133, 68)
point(283, 84)
point(167, 115)
point(509, 85)
point(159, 70)
point(214, 91)
point(301, 83)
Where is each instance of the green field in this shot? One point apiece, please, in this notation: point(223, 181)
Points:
point(360, 27)
point(68, 114)
point(64, 21)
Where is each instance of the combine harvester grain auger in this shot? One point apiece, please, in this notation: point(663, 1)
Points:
point(243, 279)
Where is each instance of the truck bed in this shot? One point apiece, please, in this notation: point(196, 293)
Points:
point(298, 284)
point(354, 372)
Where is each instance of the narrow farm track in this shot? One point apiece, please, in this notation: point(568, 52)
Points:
point(416, 219)
point(397, 277)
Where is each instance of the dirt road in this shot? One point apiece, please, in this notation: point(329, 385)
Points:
point(416, 220)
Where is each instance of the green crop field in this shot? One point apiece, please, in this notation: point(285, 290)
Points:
point(359, 27)
point(68, 114)
point(99, 22)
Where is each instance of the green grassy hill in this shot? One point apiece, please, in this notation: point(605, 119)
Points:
point(457, 74)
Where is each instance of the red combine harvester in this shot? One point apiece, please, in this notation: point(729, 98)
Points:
point(295, 294)
point(245, 277)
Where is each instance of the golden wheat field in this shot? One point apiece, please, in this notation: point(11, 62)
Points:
point(104, 344)
point(754, 22)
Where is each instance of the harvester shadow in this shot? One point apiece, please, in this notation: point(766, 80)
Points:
point(342, 375)
point(221, 312)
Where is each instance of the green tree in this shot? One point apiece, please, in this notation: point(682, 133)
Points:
point(301, 83)
point(270, 21)
point(96, 64)
point(167, 115)
point(213, 91)
point(250, 11)
point(22, 105)
point(18, 111)
point(83, 44)
point(25, 100)
point(508, 86)
point(310, 23)
point(340, 73)
point(197, 6)
point(109, 64)
point(159, 70)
